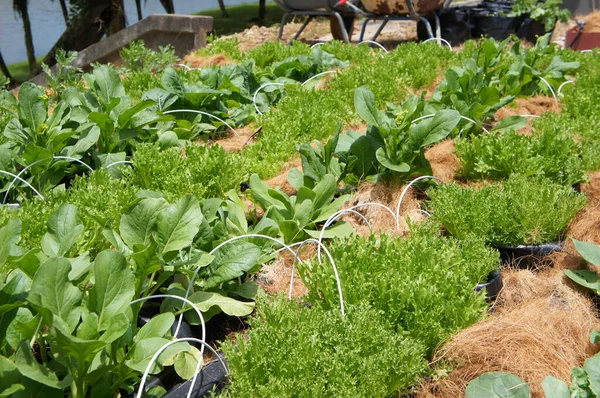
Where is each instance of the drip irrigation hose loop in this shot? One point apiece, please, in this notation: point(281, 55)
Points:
point(318, 75)
point(317, 44)
point(198, 366)
point(185, 66)
point(352, 210)
point(550, 87)
point(374, 42)
point(562, 85)
point(119, 162)
point(406, 190)
point(37, 162)
point(335, 272)
point(439, 40)
point(202, 113)
point(186, 301)
point(16, 177)
point(258, 90)
point(529, 115)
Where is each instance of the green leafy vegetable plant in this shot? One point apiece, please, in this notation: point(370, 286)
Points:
point(355, 355)
point(497, 385)
point(423, 284)
point(547, 12)
point(520, 211)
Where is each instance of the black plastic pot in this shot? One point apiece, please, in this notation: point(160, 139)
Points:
point(526, 256)
point(491, 25)
point(492, 286)
point(530, 30)
point(211, 377)
point(454, 26)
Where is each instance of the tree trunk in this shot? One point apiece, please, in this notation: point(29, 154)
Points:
point(4, 68)
point(138, 7)
point(86, 29)
point(29, 42)
point(65, 11)
point(118, 22)
point(223, 10)
point(168, 6)
point(262, 11)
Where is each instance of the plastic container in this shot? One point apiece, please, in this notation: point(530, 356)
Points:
point(493, 285)
point(526, 256)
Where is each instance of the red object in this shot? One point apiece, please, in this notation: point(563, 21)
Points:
point(586, 41)
point(341, 3)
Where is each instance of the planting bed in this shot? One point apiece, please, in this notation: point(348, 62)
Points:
point(319, 219)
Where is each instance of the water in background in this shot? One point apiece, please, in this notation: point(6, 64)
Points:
point(47, 23)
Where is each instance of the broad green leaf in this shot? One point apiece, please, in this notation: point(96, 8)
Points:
point(383, 159)
point(437, 128)
point(555, 388)
point(510, 123)
point(295, 178)
point(68, 345)
point(32, 109)
point(12, 390)
point(30, 368)
point(232, 261)
point(497, 385)
point(172, 82)
point(64, 228)
point(113, 289)
point(138, 222)
point(595, 336)
point(205, 300)
point(585, 278)
point(52, 288)
point(144, 350)
point(158, 326)
point(324, 192)
point(365, 106)
point(186, 363)
point(168, 139)
point(178, 224)
point(341, 229)
point(80, 266)
point(146, 261)
point(364, 149)
point(592, 368)
point(589, 251)
point(9, 236)
point(107, 84)
point(260, 193)
point(116, 328)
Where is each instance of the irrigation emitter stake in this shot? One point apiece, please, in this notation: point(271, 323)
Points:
point(200, 362)
point(202, 113)
point(406, 190)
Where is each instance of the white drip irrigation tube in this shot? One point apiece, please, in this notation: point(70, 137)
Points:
point(202, 113)
point(37, 162)
point(318, 75)
point(374, 42)
point(406, 190)
point(550, 87)
point(119, 162)
point(258, 90)
point(318, 44)
point(198, 366)
point(335, 272)
point(425, 212)
point(350, 210)
point(185, 66)
point(461, 116)
point(439, 40)
point(529, 115)
point(562, 85)
point(23, 181)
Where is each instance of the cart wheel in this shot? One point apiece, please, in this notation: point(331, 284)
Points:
point(336, 32)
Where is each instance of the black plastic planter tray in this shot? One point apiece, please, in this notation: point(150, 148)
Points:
point(492, 286)
point(211, 377)
point(525, 256)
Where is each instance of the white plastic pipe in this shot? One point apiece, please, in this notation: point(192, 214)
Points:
point(373, 42)
point(258, 90)
point(406, 190)
point(24, 182)
point(439, 40)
